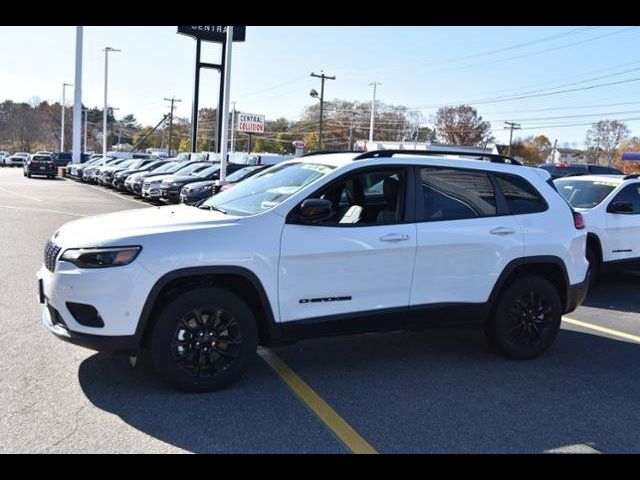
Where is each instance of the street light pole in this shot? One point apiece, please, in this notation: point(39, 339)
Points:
point(322, 77)
point(104, 112)
point(224, 105)
point(86, 113)
point(64, 101)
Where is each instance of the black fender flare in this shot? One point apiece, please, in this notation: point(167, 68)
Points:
point(273, 330)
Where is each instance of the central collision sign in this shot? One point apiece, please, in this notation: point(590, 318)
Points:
point(213, 33)
point(250, 123)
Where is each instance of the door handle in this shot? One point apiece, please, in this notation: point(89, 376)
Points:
point(502, 231)
point(394, 237)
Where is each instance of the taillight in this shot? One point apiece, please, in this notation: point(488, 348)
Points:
point(578, 221)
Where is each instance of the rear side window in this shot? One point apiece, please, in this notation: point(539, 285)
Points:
point(456, 194)
point(521, 197)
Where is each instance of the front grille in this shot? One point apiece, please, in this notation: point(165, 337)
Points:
point(51, 251)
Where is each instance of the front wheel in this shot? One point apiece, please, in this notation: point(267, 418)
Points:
point(204, 340)
point(527, 318)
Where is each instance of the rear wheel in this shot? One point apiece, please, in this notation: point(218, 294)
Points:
point(204, 340)
point(527, 318)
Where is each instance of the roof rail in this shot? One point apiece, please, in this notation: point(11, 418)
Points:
point(326, 152)
point(493, 157)
point(631, 176)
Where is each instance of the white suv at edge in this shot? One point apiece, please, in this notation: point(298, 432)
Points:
point(610, 205)
point(321, 245)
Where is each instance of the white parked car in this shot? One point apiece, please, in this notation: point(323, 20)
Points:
point(321, 245)
point(610, 205)
point(18, 159)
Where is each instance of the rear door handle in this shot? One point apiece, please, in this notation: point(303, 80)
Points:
point(502, 231)
point(394, 237)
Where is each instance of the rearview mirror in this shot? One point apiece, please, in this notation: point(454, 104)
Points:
point(314, 210)
point(620, 207)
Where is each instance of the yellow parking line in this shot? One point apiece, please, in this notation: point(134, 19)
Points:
point(597, 328)
point(316, 404)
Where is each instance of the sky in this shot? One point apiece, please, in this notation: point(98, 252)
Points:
point(553, 80)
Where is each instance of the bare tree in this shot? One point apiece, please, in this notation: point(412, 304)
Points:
point(605, 136)
point(462, 125)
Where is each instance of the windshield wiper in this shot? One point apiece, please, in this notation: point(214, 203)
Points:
point(213, 207)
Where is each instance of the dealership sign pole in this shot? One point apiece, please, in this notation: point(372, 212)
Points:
point(224, 105)
point(77, 100)
point(216, 34)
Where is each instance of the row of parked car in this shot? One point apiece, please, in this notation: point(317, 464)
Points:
point(189, 178)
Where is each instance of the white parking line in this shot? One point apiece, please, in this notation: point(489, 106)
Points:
point(118, 195)
point(44, 210)
point(20, 195)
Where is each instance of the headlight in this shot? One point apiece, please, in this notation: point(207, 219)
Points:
point(101, 257)
point(205, 188)
point(177, 184)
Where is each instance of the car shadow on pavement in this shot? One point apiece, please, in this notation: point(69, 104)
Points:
point(434, 391)
point(615, 291)
point(257, 414)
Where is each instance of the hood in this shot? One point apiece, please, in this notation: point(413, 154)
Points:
point(131, 226)
point(158, 178)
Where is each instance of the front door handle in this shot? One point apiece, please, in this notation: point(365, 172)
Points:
point(394, 237)
point(502, 231)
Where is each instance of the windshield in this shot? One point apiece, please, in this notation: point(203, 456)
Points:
point(129, 164)
point(207, 171)
point(240, 174)
point(169, 167)
point(584, 193)
point(267, 189)
point(192, 168)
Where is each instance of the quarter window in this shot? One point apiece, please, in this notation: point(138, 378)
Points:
point(520, 195)
point(456, 194)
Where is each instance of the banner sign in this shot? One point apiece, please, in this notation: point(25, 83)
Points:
point(250, 123)
point(213, 33)
point(631, 157)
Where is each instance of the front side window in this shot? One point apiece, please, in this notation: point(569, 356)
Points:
point(520, 195)
point(631, 195)
point(267, 189)
point(584, 193)
point(456, 194)
point(366, 198)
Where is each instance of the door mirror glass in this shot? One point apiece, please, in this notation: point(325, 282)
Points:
point(620, 207)
point(314, 210)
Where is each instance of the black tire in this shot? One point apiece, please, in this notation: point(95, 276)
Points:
point(526, 319)
point(191, 360)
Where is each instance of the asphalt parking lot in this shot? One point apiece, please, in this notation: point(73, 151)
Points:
point(435, 391)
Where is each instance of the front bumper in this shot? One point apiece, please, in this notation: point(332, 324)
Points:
point(576, 295)
point(118, 295)
point(170, 194)
point(151, 192)
point(128, 345)
point(190, 198)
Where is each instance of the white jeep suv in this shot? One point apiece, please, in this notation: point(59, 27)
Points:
point(321, 245)
point(610, 205)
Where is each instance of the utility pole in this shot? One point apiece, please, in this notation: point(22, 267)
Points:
point(373, 109)
point(322, 77)
point(511, 126)
point(172, 100)
point(104, 112)
point(62, 122)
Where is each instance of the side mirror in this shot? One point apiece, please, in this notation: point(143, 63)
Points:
point(314, 210)
point(620, 207)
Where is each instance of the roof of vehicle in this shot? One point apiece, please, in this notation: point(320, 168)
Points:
point(341, 159)
point(597, 178)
